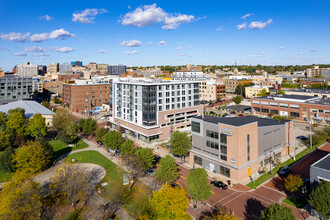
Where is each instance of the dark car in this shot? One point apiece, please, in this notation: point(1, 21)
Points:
point(219, 184)
point(174, 185)
point(303, 138)
point(284, 171)
point(156, 159)
point(150, 172)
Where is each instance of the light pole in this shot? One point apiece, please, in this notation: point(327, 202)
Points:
point(294, 142)
point(310, 134)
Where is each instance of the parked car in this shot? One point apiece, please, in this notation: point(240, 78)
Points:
point(150, 172)
point(284, 171)
point(303, 138)
point(219, 184)
point(156, 159)
point(174, 185)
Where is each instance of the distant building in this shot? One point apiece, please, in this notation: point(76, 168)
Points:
point(253, 91)
point(324, 93)
point(319, 171)
point(116, 69)
point(315, 71)
point(63, 77)
point(65, 68)
point(95, 67)
point(27, 70)
point(211, 91)
point(53, 68)
point(231, 84)
point(13, 88)
point(31, 108)
point(310, 81)
point(42, 70)
point(76, 63)
point(190, 76)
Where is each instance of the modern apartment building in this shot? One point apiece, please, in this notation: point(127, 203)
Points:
point(86, 95)
point(152, 109)
point(231, 84)
point(239, 147)
point(315, 71)
point(211, 91)
point(95, 67)
point(253, 91)
point(76, 63)
point(27, 70)
point(65, 68)
point(53, 68)
point(190, 76)
point(14, 88)
point(297, 107)
point(116, 69)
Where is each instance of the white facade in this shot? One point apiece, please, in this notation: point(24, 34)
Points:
point(27, 70)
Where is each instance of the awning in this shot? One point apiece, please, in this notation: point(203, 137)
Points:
point(317, 118)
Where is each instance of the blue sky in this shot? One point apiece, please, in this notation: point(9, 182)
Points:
point(165, 32)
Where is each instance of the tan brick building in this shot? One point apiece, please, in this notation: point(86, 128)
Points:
point(211, 91)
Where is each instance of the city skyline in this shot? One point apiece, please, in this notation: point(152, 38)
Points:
point(165, 33)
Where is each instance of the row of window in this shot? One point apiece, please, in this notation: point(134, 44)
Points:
point(223, 170)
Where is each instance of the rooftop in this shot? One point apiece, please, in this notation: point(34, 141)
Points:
point(240, 108)
point(321, 91)
point(323, 163)
point(31, 108)
point(298, 98)
point(239, 121)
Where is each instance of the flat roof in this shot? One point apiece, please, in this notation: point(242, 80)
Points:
point(238, 107)
point(239, 121)
point(31, 108)
point(300, 97)
point(323, 163)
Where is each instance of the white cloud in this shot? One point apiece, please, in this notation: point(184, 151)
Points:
point(281, 48)
point(241, 26)
point(45, 17)
point(131, 52)
point(40, 55)
point(103, 51)
point(13, 36)
point(219, 29)
point(189, 47)
point(56, 34)
point(179, 48)
point(149, 42)
point(300, 53)
point(180, 43)
point(314, 50)
point(259, 24)
point(247, 15)
point(88, 15)
point(21, 54)
point(131, 43)
point(256, 55)
point(33, 49)
point(151, 14)
point(262, 52)
point(61, 49)
point(181, 54)
point(162, 43)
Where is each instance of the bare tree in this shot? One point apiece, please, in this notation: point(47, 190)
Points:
point(134, 166)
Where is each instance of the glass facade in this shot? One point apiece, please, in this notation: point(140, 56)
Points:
point(223, 147)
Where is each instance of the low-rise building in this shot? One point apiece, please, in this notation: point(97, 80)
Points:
point(319, 171)
point(27, 70)
point(231, 84)
point(298, 107)
point(212, 91)
point(190, 76)
point(238, 148)
point(31, 108)
point(253, 91)
point(325, 93)
point(315, 71)
point(309, 82)
point(53, 68)
point(116, 69)
point(14, 88)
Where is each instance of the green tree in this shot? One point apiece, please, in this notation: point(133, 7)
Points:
point(72, 131)
point(89, 126)
point(277, 212)
point(262, 92)
point(180, 144)
point(37, 126)
point(21, 111)
point(170, 202)
point(293, 183)
point(198, 185)
point(16, 122)
point(146, 156)
point(113, 140)
point(4, 140)
point(237, 99)
point(100, 134)
point(3, 119)
point(62, 119)
point(280, 92)
point(45, 104)
point(320, 199)
point(31, 157)
point(81, 123)
point(168, 170)
point(6, 163)
point(127, 148)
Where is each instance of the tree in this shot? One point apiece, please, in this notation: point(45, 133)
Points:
point(16, 122)
point(198, 185)
point(6, 163)
point(62, 119)
point(21, 111)
point(4, 140)
point(134, 167)
point(320, 199)
point(113, 140)
point(218, 213)
point(3, 118)
point(237, 99)
point(170, 202)
point(45, 104)
point(263, 92)
point(31, 157)
point(127, 148)
point(72, 131)
point(20, 199)
point(89, 126)
point(180, 144)
point(146, 156)
point(280, 92)
point(293, 183)
point(37, 126)
point(168, 170)
point(100, 134)
point(81, 123)
point(277, 212)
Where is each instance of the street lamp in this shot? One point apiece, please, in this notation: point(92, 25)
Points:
point(310, 134)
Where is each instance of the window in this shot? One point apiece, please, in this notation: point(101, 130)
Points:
point(261, 163)
point(264, 103)
point(212, 145)
point(294, 106)
point(223, 147)
point(198, 160)
point(256, 109)
point(268, 160)
point(212, 134)
point(277, 156)
point(255, 102)
point(248, 147)
point(274, 112)
point(225, 171)
point(195, 127)
point(284, 105)
point(265, 110)
point(273, 104)
point(294, 114)
point(320, 110)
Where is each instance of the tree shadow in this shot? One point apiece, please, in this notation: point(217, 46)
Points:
point(278, 183)
point(214, 212)
point(253, 208)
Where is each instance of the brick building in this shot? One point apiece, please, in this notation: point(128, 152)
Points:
point(211, 91)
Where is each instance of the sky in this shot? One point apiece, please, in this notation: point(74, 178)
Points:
point(148, 33)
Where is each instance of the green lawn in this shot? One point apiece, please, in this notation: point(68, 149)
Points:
point(267, 175)
point(298, 202)
point(61, 148)
point(4, 176)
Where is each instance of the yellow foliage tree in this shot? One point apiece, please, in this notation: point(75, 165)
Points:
point(31, 157)
point(170, 202)
point(20, 199)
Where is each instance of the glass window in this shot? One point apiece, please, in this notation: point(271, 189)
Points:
point(225, 171)
point(195, 127)
point(198, 160)
point(212, 134)
point(223, 138)
point(277, 156)
point(294, 106)
point(255, 102)
point(265, 110)
point(274, 112)
point(212, 145)
point(294, 114)
point(273, 104)
point(264, 103)
point(268, 160)
point(248, 147)
point(284, 105)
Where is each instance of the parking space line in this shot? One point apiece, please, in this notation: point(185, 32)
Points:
point(233, 199)
point(224, 198)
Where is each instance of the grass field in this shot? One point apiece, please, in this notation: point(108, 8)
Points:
point(61, 148)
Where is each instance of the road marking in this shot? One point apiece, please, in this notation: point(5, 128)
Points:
point(233, 199)
point(224, 198)
point(263, 197)
point(275, 190)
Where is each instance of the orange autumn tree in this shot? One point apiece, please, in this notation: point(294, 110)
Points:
point(293, 183)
